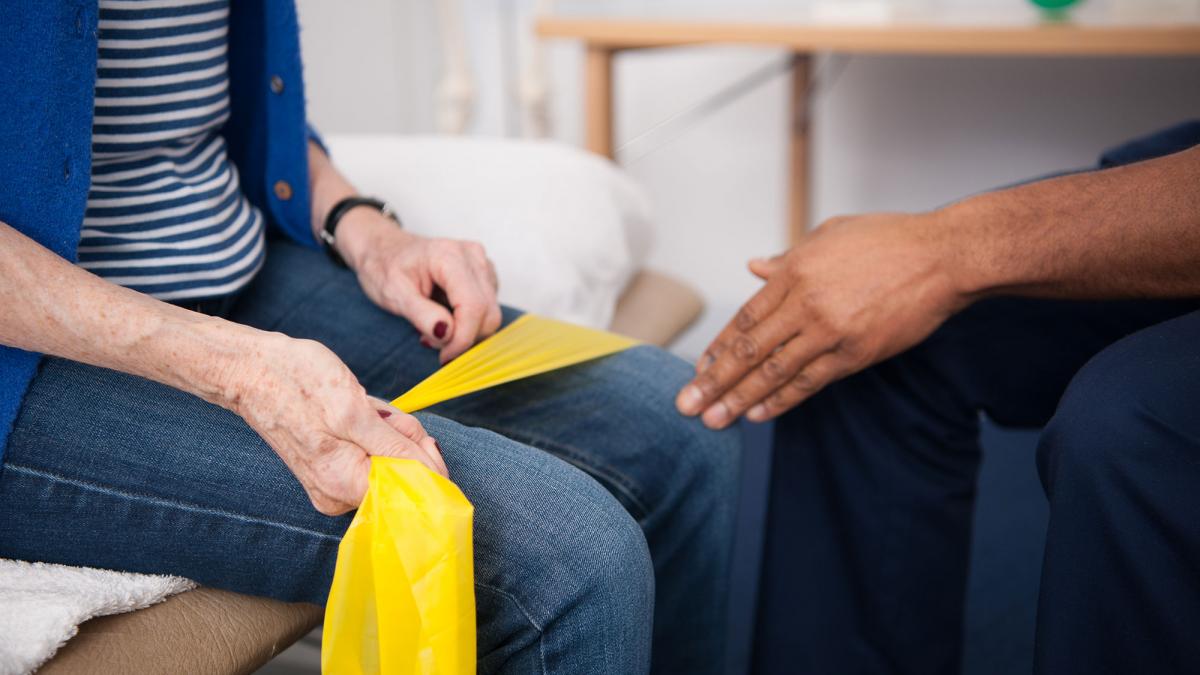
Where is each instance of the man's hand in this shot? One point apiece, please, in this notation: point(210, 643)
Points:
point(399, 270)
point(852, 293)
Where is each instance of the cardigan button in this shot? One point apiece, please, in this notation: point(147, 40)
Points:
point(283, 190)
point(276, 84)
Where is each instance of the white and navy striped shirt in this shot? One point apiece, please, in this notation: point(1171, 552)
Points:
point(165, 213)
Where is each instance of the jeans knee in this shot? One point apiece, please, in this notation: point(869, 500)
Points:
point(710, 464)
point(700, 459)
point(612, 561)
point(623, 558)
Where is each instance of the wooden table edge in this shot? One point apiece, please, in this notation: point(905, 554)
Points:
point(933, 39)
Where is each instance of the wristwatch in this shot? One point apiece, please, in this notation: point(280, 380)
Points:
point(328, 232)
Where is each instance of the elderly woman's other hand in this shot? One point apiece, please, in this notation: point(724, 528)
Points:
point(308, 406)
point(399, 271)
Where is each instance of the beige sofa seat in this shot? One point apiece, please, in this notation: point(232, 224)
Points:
point(211, 632)
point(199, 631)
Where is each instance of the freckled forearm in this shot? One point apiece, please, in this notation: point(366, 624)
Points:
point(53, 307)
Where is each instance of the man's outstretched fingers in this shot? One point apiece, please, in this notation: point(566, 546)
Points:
point(758, 330)
point(825, 369)
point(775, 371)
point(758, 307)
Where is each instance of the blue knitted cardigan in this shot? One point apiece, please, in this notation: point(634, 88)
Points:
point(47, 91)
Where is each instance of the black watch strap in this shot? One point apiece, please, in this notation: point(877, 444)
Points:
point(329, 231)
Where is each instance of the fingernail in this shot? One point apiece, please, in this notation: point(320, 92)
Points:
point(690, 399)
point(717, 415)
point(439, 330)
point(385, 413)
point(758, 413)
point(705, 362)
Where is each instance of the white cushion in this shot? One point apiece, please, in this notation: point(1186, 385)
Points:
point(564, 227)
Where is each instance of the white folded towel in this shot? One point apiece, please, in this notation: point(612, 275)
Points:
point(41, 605)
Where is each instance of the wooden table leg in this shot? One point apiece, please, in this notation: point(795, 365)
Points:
point(799, 150)
point(598, 100)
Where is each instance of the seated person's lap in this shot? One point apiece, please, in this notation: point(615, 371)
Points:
point(137, 476)
point(895, 448)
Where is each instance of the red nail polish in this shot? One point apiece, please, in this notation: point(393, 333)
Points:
point(385, 413)
point(439, 330)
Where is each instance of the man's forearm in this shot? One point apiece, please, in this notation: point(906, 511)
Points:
point(1131, 231)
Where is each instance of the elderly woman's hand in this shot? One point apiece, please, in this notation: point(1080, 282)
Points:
point(399, 270)
point(308, 406)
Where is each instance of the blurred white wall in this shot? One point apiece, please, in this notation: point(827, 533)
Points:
point(899, 133)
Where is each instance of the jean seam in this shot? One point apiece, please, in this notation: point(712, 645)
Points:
point(528, 617)
point(159, 501)
point(576, 456)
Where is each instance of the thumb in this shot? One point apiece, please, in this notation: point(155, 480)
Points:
point(765, 267)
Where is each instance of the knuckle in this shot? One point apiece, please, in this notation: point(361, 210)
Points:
point(717, 348)
point(778, 401)
point(803, 383)
point(745, 347)
point(706, 383)
point(774, 369)
point(408, 422)
point(313, 349)
point(850, 350)
point(746, 318)
point(473, 305)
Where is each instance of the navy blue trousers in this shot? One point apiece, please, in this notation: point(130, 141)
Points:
point(873, 482)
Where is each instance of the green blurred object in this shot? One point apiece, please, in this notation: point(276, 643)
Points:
point(1054, 5)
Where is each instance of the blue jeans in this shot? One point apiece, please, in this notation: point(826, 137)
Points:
point(603, 518)
point(873, 485)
